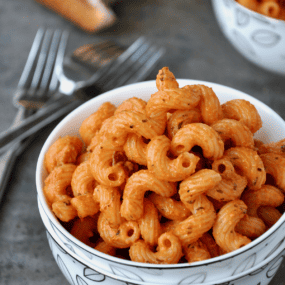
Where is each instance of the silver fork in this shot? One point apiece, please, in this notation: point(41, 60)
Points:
point(39, 81)
point(131, 66)
point(136, 62)
point(7, 159)
point(38, 71)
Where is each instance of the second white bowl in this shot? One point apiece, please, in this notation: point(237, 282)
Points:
point(258, 38)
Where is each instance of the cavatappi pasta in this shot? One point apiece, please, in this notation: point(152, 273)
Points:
point(270, 8)
point(179, 178)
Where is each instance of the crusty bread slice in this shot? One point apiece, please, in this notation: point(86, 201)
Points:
point(90, 15)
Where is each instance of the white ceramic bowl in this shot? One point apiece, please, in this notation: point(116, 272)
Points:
point(76, 271)
point(258, 38)
point(210, 270)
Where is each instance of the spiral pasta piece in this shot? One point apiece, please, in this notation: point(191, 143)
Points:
point(115, 132)
point(165, 168)
point(202, 220)
point(109, 200)
point(249, 4)
point(180, 118)
point(106, 248)
point(149, 223)
point(228, 189)
point(123, 236)
point(165, 79)
point(136, 186)
point(135, 149)
point(269, 215)
point(83, 157)
point(224, 167)
point(85, 205)
point(197, 184)
point(170, 225)
point(169, 250)
point(267, 195)
point(64, 150)
point(104, 170)
point(275, 166)
point(248, 162)
point(82, 181)
point(209, 105)
point(93, 123)
point(196, 251)
point(252, 227)
point(211, 244)
point(58, 181)
point(257, 144)
point(169, 208)
point(243, 111)
point(130, 168)
point(132, 104)
point(84, 229)
point(201, 135)
point(231, 186)
point(224, 227)
point(269, 8)
point(96, 140)
point(238, 133)
point(63, 209)
point(273, 147)
point(161, 102)
point(218, 204)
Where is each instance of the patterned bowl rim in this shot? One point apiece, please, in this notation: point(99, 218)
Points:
point(257, 267)
point(145, 85)
point(256, 14)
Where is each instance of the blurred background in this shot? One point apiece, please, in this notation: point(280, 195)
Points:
point(195, 48)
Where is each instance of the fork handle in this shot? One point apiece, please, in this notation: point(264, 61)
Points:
point(7, 161)
point(34, 123)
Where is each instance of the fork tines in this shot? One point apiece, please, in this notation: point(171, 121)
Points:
point(96, 55)
point(131, 66)
point(38, 80)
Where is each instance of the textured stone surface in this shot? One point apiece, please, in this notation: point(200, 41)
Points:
point(196, 49)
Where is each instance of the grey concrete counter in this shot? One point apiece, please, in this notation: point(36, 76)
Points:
point(196, 49)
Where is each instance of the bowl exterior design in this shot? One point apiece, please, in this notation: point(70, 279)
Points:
point(77, 272)
point(260, 276)
point(189, 275)
point(258, 38)
point(201, 272)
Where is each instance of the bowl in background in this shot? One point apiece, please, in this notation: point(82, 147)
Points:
point(211, 270)
point(258, 38)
